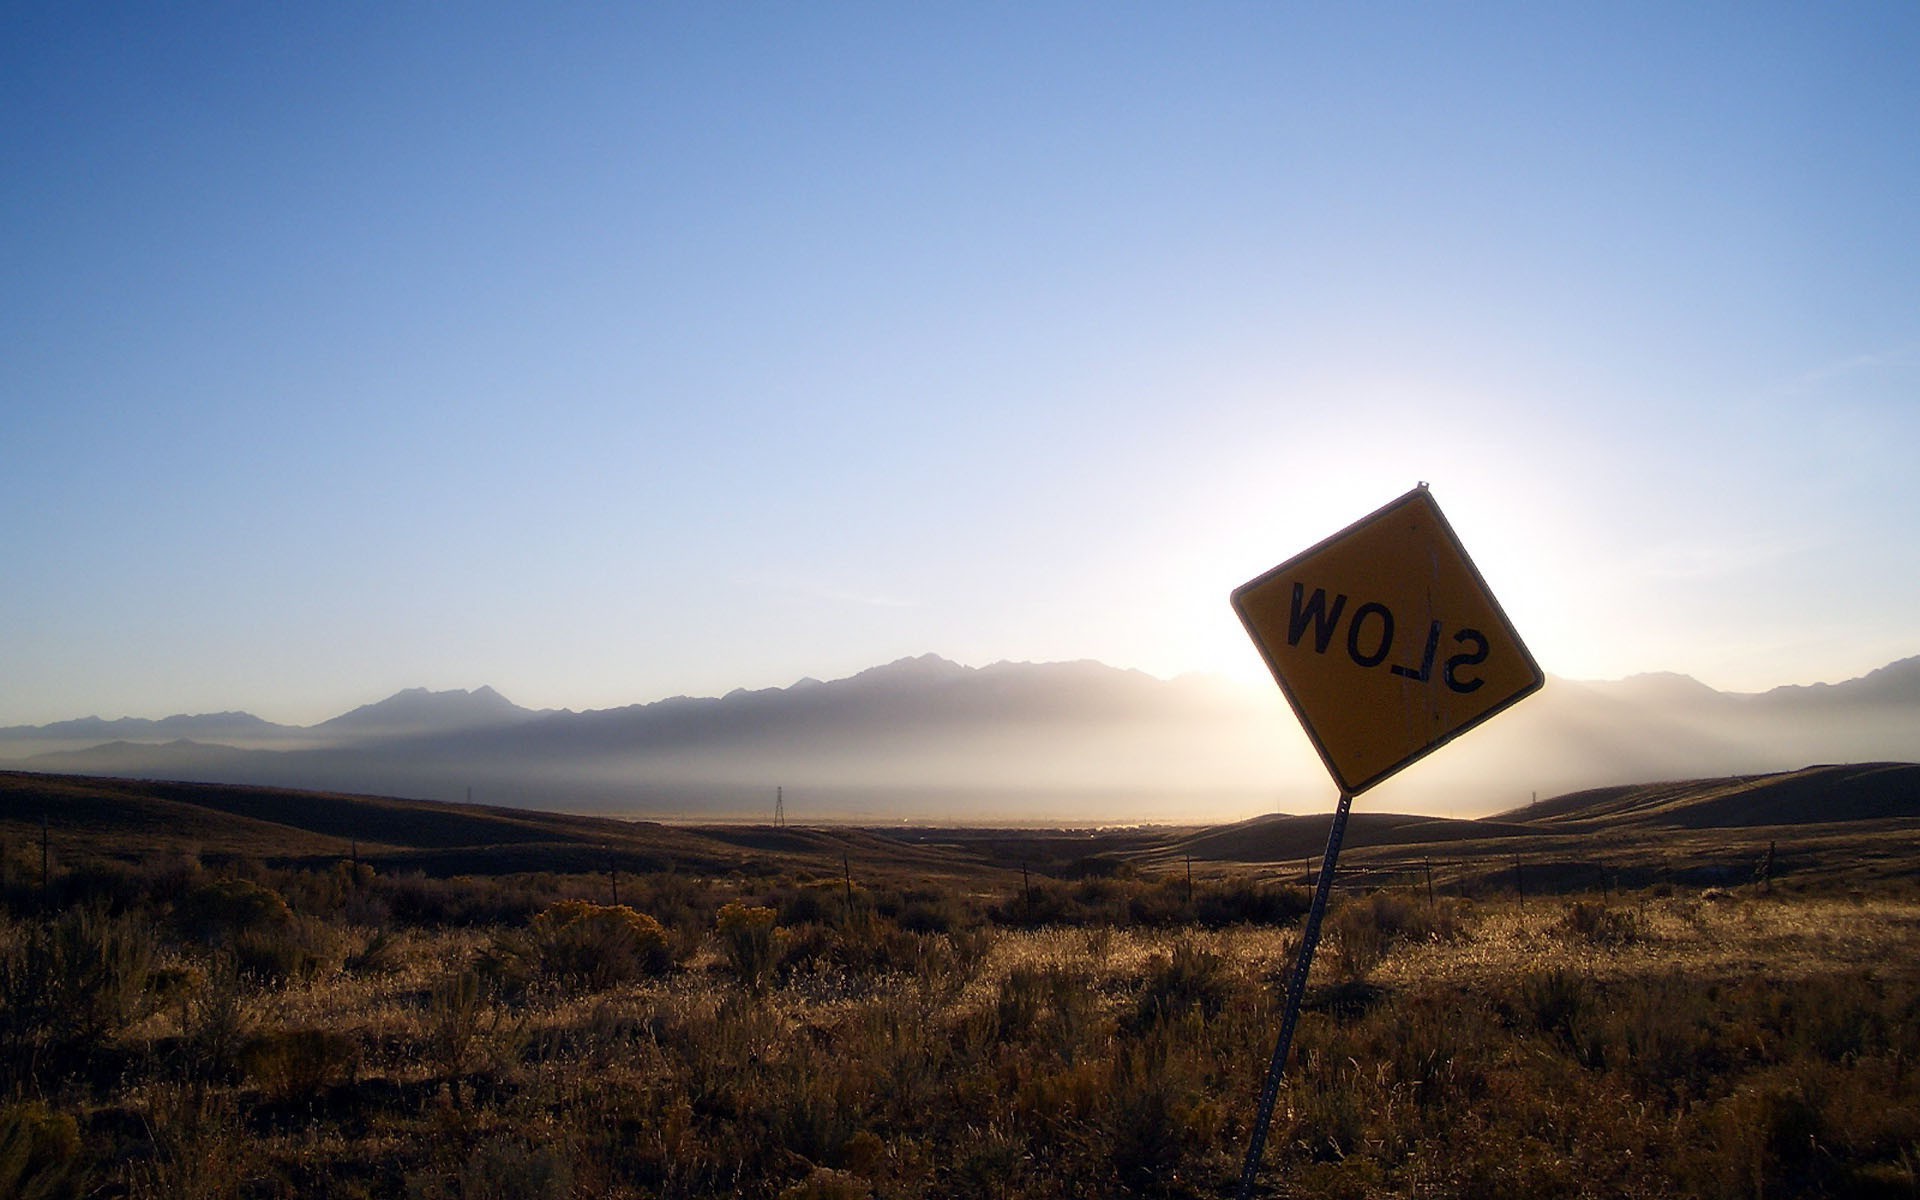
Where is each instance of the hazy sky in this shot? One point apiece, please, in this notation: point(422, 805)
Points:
point(606, 353)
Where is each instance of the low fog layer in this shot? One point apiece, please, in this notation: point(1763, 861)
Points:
point(928, 740)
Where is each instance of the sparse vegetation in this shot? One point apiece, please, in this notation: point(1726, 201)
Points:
point(778, 1032)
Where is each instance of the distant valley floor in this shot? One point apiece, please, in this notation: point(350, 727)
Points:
point(1857, 822)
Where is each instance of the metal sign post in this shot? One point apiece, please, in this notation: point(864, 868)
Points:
point(1388, 644)
point(1296, 993)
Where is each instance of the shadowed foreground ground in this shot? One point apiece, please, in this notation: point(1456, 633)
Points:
point(780, 1026)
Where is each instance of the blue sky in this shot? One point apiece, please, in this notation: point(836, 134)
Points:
point(616, 352)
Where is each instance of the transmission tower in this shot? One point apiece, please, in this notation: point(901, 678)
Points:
point(779, 807)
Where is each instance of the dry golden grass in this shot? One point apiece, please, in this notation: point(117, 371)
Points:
point(243, 1030)
point(1657, 1045)
point(1731, 935)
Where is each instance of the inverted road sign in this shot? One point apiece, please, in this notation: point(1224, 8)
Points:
point(1388, 644)
point(1386, 641)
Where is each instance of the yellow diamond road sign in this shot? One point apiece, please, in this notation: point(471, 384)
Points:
point(1386, 641)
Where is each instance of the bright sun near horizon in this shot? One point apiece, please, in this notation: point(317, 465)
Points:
point(609, 356)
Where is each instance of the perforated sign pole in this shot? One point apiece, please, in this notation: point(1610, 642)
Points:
point(1388, 644)
point(1296, 993)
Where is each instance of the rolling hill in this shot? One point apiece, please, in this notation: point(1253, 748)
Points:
point(135, 819)
point(1813, 796)
point(1832, 819)
point(1839, 820)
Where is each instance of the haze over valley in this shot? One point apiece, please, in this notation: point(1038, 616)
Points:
point(928, 740)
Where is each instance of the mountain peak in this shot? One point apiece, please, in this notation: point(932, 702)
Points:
point(1665, 684)
point(418, 710)
point(918, 669)
point(1897, 682)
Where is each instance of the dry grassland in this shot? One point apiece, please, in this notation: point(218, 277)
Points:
point(247, 1032)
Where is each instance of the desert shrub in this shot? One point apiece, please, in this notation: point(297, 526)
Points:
point(331, 892)
point(1192, 979)
point(455, 1022)
point(67, 984)
point(254, 924)
point(39, 1154)
point(498, 1169)
point(1770, 1137)
point(298, 948)
point(1429, 1039)
point(509, 964)
point(931, 915)
point(1102, 896)
point(868, 950)
point(597, 945)
point(462, 901)
point(1563, 1004)
point(219, 910)
point(169, 875)
point(1158, 1119)
point(292, 1065)
point(811, 949)
point(1049, 1007)
point(1842, 1016)
point(747, 937)
point(103, 883)
point(1403, 917)
point(1023, 996)
point(679, 902)
point(1365, 928)
point(821, 902)
point(1601, 924)
point(825, 1183)
point(1038, 902)
point(922, 909)
point(973, 943)
point(367, 907)
point(19, 875)
point(809, 904)
point(200, 1148)
point(1358, 941)
point(1241, 901)
point(382, 953)
point(1119, 900)
point(1159, 903)
point(1100, 866)
point(215, 1023)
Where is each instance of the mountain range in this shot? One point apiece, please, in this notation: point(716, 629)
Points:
point(925, 739)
